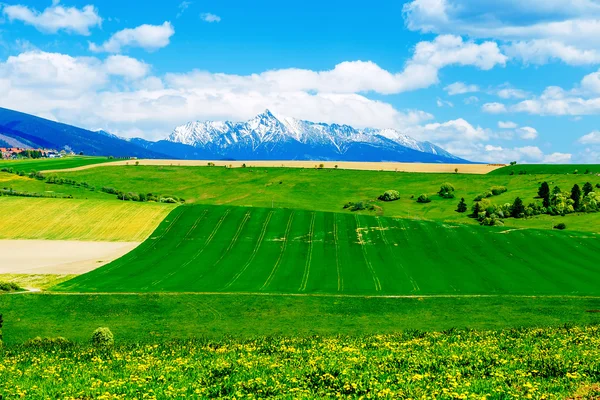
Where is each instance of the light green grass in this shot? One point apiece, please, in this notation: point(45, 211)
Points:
point(236, 249)
point(329, 190)
point(73, 219)
point(35, 281)
point(42, 164)
point(158, 317)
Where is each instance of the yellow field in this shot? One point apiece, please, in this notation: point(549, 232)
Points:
point(370, 166)
point(73, 219)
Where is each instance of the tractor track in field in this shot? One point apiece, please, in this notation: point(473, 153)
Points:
point(254, 252)
point(206, 243)
point(234, 239)
point(396, 261)
point(337, 259)
point(311, 235)
point(363, 247)
point(283, 247)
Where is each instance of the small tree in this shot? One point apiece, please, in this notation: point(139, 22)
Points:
point(513, 163)
point(544, 193)
point(390, 195)
point(587, 188)
point(456, 170)
point(462, 206)
point(576, 197)
point(446, 191)
point(518, 208)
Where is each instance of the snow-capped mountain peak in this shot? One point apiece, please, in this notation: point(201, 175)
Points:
point(270, 136)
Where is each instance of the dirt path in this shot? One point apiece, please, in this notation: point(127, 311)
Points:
point(368, 166)
point(58, 256)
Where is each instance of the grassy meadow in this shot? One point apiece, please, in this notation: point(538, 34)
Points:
point(27, 165)
point(201, 248)
point(79, 219)
point(528, 363)
point(330, 189)
point(579, 169)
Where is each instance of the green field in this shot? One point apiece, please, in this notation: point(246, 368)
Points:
point(236, 249)
point(548, 169)
point(28, 165)
point(74, 219)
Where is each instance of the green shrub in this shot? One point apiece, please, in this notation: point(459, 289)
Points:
point(103, 338)
point(10, 287)
point(446, 191)
point(560, 226)
point(47, 342)
point(423, 199)
point(498, 190)
point(390, 195)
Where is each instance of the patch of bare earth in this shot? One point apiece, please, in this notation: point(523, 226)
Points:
point(59, 257)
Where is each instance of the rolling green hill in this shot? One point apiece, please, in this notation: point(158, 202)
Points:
point(237, 249)
point(27, 165)
point(330, 189)
point(578, 169)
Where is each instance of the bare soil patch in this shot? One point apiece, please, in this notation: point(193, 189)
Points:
point(370, 166)
point(58, 256)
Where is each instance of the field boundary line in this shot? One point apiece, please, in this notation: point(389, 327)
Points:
point(254, 252)
point(234, 238)
point(362, 245)
point(381, 296)
point(283, 247)
point(309, 257)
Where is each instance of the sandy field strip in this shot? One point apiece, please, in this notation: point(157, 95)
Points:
point(370, 166)
point(58, 256)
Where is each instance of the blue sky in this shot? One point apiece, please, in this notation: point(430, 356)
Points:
point(487, 80)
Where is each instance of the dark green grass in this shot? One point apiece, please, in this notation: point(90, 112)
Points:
point(238, 249)
point(547, 169)
point(160, 317)
point(29, 165)
point(329, 189)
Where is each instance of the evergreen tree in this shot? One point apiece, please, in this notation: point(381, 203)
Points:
point(576, 197)
point(518, 208)
point(544, 190)
point(544, 193)
point(462, 206)
point(587, 188)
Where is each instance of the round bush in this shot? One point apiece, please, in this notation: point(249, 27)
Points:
point(103, 337)
point(423, 199)
point(390, 195)
point(560, 226)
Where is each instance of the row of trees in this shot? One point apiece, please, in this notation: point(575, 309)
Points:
point(141, 197)
point(554, 202)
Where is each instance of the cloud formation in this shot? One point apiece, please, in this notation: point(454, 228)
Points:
point(55, 18)
point(208, 17)
point(147, 37)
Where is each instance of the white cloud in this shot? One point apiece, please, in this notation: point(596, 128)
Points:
point(510, 93)
point(148, 37)
point(527, 133)
point(493, 108)
point(591, 82)
point(56, 18)
point(126, 66)
point(460, 88)
point(590, 138)
point(183, 6)
point(557, 158)
point(471, 100)
point(507, 125)
point(208, 17)
point(535, 31)
point(458, 130)
point(444, 103)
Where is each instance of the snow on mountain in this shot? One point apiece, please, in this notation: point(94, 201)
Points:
point(268, 136)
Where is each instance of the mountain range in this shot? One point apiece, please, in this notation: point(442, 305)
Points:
point(264, 137)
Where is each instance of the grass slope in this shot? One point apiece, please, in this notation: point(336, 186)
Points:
point(236, 249)
point(329, 190)
point(43, 164)
point(547, 169)
point(158, 317)
point(72, 219)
